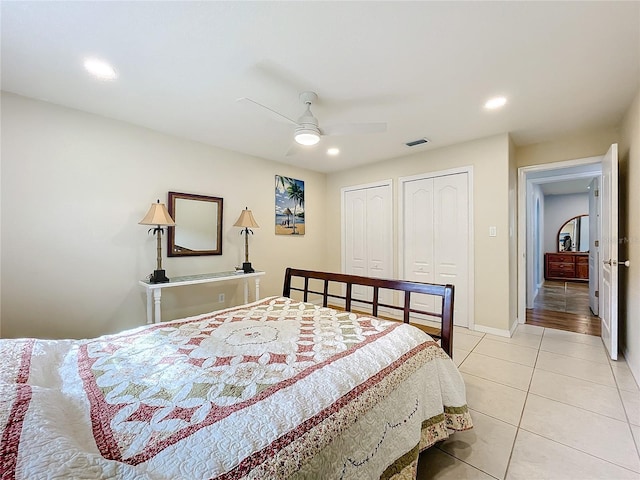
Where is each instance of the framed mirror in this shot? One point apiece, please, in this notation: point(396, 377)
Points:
point(573, 236)
point(198, 229)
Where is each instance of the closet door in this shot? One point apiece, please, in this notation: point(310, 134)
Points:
point(451, 239)
point(355, 232)
point(418, 237)
point(368, 235)
point(436, 237)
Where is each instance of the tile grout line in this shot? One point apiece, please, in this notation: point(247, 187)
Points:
point(577, 450)
point(624, 409)
point(524, 405)
point(466, 463)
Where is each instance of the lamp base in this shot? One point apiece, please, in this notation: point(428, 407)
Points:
point(246, 266)
point(158, 276)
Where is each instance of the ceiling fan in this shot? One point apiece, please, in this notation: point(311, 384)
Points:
point(307, 129)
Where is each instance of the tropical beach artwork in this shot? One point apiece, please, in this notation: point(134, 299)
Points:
point(289, 206)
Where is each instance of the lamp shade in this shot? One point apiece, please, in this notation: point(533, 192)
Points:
point(246, 220)
point(307, 136)
point(157, 215)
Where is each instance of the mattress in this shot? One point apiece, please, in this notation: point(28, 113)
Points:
point(272, 389)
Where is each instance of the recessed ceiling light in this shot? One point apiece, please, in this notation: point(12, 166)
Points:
point(495, 102)
point(100, 69)
point(333, 151)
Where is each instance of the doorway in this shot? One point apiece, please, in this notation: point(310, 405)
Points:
point(562, 303)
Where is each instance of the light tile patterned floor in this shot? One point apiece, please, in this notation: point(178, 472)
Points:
point(546, 404)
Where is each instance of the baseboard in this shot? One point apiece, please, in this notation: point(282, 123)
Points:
point(494, 331)
point(630, 358)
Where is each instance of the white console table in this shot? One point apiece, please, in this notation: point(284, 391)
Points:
point(154, 290)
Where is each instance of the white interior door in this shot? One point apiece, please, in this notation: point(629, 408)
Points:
point(418, 220)
point(355, 231)
point(609, 252)
point(594, 245)
point(379, 232)
point(368, 233)
point(451, 237)
point(436, 237)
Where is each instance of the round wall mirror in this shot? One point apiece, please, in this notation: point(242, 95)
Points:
point(573, 236)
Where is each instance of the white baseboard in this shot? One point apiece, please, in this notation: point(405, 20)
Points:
point(494, 331)
point(630, 358)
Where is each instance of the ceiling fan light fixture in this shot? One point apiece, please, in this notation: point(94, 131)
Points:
point(307, 136)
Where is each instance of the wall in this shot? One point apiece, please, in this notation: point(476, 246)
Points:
point(535, 248)
point(74, 187)
point(557, 210)
point(583, 145)
point(629, 151)
point(513, 237)
point(490, 160)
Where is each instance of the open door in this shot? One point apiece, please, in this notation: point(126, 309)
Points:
point(594, 246)
point(609, 252)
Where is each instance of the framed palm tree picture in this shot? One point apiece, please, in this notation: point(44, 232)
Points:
point(289, 206)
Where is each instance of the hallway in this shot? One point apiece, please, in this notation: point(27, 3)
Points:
point(564, 306)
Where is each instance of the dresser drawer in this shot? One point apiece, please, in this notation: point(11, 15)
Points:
point(565, 270)
point(562, 258)
point(582, 260)
point(564, 267)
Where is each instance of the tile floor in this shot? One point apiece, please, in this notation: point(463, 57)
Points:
point(546, 404)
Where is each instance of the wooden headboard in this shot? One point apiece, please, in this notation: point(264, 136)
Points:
point(444, 291)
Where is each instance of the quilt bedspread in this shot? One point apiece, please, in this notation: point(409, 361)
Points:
point(273, 389)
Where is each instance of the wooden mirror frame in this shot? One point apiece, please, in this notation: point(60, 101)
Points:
point(175, 250)
point(573, 239)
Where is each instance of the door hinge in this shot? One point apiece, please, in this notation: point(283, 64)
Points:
point(597, 294)
point(596, 193)
point(597, 243)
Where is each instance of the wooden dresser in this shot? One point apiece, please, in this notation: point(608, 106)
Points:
point(566, 266)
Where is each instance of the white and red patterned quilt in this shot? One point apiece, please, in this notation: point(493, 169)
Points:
point(273, 389)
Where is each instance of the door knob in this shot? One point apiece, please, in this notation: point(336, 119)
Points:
point(625, 263)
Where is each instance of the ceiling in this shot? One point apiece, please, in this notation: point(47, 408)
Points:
point(425, 68)
point(566, 180)
point(567, 187)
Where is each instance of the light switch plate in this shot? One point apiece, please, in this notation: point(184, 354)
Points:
point(493, 231)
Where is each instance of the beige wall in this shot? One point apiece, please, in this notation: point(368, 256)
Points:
point(513, 236)
point(74, 187)
point(584, 145)
point(489, 158)
point(629, 151)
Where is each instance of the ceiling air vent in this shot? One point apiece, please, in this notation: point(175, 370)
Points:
point(420, 141)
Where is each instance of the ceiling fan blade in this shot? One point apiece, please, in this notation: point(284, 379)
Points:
point(293, 150)
point(297, 149)
point(355, 128)
point(269, 109)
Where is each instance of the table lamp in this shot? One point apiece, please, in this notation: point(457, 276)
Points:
point(158, 216)
point(245, 221)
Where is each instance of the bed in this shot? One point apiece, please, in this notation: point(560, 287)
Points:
point(277, 388)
